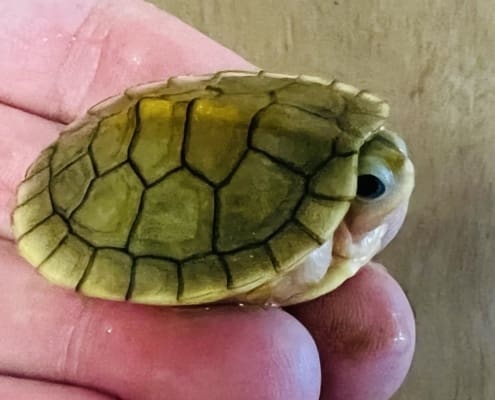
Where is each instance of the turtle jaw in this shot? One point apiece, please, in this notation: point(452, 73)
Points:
point(358, 249)
point(349, 254)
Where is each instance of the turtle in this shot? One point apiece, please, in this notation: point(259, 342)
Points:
point(226, 187)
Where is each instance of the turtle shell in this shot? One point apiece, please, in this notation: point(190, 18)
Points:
point(196, 189)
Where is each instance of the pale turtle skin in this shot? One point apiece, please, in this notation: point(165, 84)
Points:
point(218, 188)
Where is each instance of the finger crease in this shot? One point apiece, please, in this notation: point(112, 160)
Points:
point(85, 47)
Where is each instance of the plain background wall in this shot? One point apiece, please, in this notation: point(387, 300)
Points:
point(434, 61)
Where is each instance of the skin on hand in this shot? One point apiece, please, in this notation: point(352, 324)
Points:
point(58, 59)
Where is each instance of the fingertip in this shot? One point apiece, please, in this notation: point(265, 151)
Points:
point(221, 353)
point(365, 334)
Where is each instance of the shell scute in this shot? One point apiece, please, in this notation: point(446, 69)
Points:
point(217, 133)
point(337, 179)
point(33, 185)
point(250, 267)
point(66, 196)
point(72, 145)
point(155, 281)
point(31, 213)
point(42, 162)
point(154, 154)
point(67, 264)
point(37, 244)
point(176, 218)
point(290, 245)
point(111, 141)
point(310, 97)
point(282, 132)
point(251, 83)
point(258, 200)
point(202, 279)
point(108, 275)
point(321, 216)
point(106, 215)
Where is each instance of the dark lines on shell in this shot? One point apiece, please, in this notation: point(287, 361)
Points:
point(180, 282)
point(132, 143)
point(132, 278)
point(86, 270)
point(253, 124)
point(228, 274)
point(62, 241)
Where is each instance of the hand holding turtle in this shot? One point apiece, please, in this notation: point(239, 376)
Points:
point(85, 348)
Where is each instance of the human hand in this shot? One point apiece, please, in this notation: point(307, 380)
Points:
point(59, 58)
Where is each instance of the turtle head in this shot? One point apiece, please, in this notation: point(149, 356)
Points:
point(385, 180)
point(384, 185)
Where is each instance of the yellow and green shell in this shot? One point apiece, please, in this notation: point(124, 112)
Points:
point(196, 189)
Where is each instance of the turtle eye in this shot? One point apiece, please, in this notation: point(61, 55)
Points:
point(375, 179)
point(370, 187)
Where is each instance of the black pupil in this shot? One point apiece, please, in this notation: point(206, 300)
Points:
point(370, 187)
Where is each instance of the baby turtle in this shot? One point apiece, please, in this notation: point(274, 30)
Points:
point(236, 186)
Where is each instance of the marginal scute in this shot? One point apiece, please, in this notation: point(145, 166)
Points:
point(111, 142)
point(67, 196)
point(85, 122)
point(108, 275)
point(72, 145)
point(203, 280)
point(186, 83)
point(37, 245)
point(296, 137)
point(179, 88)
point(110, 106)
point(314, 79)
point(33, 185)
point(250, 267)
point(364, 114)
point(172, 93)
point(234, 74)
point(312, 97)
point(230, 83)
point(157, 144)
point(260, 197)
point(217, 132)
point(290, 246)
point(41, 162)
point(109, 209)
point(337, 179)
point(277, 75)
point(361, 125)
point(155, 281)
point(176, 218)
point(346, 91)
point(321, 216)
point(68, 262)
point(192, 95)
point(348, 143)
point(367, 103)
point(31, 213)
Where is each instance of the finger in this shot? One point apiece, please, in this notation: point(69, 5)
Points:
point(29, 389)
point(137, 352)
point(62, 57)
point(365, 335)
point(22, 136)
